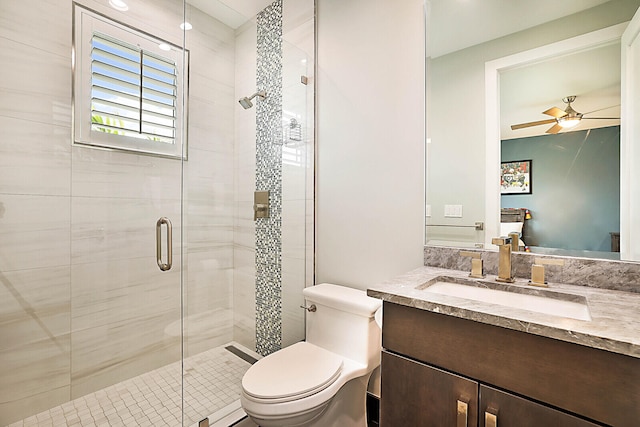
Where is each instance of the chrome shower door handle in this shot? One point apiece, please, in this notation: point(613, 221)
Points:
point(163, 266)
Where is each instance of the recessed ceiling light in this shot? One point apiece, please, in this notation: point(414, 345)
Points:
point(186, 26)
point(164, 46)
point(119, 5)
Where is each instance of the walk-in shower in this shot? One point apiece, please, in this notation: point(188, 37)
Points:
point(246, 101)
point(132, 271)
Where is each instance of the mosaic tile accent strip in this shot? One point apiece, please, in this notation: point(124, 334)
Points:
point(269, 177)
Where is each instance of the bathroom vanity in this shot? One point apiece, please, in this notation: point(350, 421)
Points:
point(453, 361)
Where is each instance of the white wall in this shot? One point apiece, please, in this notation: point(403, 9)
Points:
point(370, 120)
point(630, 130)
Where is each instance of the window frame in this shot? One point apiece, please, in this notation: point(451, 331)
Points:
point(86, 24)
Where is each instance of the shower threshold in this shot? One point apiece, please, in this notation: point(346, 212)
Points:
point(212, 384)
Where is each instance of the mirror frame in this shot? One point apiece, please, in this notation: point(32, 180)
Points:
point(493, 69)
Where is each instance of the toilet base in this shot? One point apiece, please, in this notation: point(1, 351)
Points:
point(348, 408)
point(298, 420)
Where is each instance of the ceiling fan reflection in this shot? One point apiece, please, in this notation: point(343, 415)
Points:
point(562, 119)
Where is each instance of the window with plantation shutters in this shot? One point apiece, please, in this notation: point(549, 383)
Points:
point(133, 92)
point(128, 88)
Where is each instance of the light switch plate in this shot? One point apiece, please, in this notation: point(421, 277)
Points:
point(453, 211)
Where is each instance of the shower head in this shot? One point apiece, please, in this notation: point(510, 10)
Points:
point(246, 101)
point(246, 104)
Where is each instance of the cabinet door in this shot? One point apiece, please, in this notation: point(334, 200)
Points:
point(498, 408)
point(414, 394)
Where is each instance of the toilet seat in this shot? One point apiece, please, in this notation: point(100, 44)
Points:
point(292, 373)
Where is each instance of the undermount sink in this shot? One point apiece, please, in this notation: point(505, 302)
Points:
point(536, 300)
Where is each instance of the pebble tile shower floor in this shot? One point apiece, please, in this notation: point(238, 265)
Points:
point(212, 381)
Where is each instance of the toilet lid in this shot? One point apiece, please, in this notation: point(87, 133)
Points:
point(293, 372)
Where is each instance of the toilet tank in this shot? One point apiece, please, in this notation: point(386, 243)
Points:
point(344, 322)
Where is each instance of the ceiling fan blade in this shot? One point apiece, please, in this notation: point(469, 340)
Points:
point(600, 109)
point(554, 129)
point(601, 118)
point(529, 124)
point(555, 112)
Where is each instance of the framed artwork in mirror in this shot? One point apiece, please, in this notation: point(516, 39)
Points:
point(515, 177)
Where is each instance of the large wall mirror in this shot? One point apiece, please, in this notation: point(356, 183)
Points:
point(559, 188)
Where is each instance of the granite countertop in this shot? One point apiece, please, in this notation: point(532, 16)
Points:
point(615, 315)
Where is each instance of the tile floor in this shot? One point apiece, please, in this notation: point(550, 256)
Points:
point(211, 382)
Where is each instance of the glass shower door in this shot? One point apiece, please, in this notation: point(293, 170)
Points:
point(125, 309)
point(126, 210)
point(91, 326)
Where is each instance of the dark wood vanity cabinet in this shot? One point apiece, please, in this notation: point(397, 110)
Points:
point(415, 394)
point(507, 409)
point(434, 366)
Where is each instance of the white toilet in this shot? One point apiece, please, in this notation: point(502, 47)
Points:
point(323, 380)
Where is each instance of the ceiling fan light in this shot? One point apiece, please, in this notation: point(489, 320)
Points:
point(569, 122)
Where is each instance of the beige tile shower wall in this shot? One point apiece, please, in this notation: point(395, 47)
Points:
point(35, 159)
point(244, 275)
point(82, 302)
point(209, 181)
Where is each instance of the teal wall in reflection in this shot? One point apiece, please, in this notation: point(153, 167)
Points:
point(575, 200)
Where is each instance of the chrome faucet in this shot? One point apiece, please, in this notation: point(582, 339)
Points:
point(504, 259)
